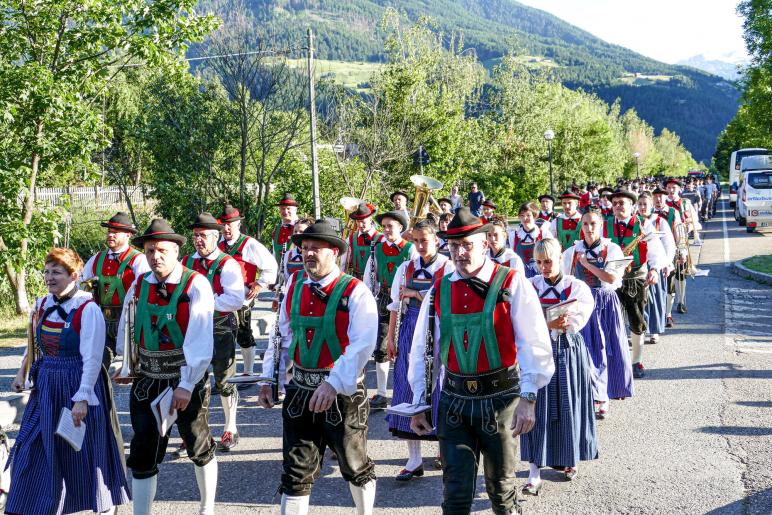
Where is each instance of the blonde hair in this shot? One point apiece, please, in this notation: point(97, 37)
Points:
point(547, 248)
point(66, 258)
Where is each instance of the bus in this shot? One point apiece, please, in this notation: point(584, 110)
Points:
point(734, 169)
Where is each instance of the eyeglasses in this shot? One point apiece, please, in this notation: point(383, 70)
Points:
point(455, 247)
point(618, 203)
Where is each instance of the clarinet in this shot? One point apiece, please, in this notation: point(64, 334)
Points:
point(398, 321)
point(276, 340)
point(372, 267)
point(429, 351)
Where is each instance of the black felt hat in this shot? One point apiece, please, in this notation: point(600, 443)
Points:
point(547, 196)
point(605, 191)
point(675, 181)
point(465, 224)
point(363, 210)
point(159, 230)
point(622, 192)
point(398, 192)
point(288, 199)
point(659, 191)
point(206, 221)
point(489, 203)
point(444, 199)
point(395, 215)
point(320, 230)
point(569, 195)
point(229, 214)
point(120, 222)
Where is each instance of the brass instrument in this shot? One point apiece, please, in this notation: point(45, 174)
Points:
point(92, 286)
point(350, 205)
point(682, 244)
point(130, 363)
point(424, 202)
point(33, 351)
point(629, 249)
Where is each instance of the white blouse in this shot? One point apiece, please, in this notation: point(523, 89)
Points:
point(581, 310)
point(613, 253)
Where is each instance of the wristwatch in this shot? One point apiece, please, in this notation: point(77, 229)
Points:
point(528, 396)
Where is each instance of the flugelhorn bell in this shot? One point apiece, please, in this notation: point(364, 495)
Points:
point(424, 201)
point(349, 205)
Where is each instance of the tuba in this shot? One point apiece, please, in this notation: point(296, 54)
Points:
point(424, 201)
point(349, 206)
point(130, 364)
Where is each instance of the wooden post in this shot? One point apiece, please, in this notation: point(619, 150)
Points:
point(312, 112)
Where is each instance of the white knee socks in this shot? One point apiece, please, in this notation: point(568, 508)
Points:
point(637, 340)
point(229, 407)
point(364, 497)
point(670, 299)
point(143, 493)
point(680, 287)
point(248, 355)
point(206, 477)
point(534, 474)
point(382, 377)
point(294, 504)
point(414, 458)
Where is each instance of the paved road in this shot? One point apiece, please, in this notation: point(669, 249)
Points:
point(695, 438)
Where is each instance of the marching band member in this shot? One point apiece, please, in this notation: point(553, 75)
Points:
point(523, 239)
point(411, 283)
point(497, 244)
point(280, 236)
point(565, 431)
point(488, 209)
point(546, 214)
point(567, 226)
point(254, 260)
point(326, 322)
point(604, 202)
point(446, 205)
point(399, 201)
point(604, 334)
point(115, 270)
point(224, 276)
point(442, 226)
point(673, 218)
point(357, 256)
point(625, 229)
point(492, 341)
point(656, 307)
point(390, 252)
point(47, 474)
point(174, 332)
point(688, 216)
point(293, 259)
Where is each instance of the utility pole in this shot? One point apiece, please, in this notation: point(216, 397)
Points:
point(312, 109)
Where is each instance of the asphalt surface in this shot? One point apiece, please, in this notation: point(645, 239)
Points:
point(696, 438)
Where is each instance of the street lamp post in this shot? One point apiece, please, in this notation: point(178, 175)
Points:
point(637, 157)
point(549, 135)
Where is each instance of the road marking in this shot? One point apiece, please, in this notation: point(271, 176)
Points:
point(726, 234)
point(744, 329)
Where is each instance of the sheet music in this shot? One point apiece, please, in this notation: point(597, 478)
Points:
point(556, 311)
point(160, 408)
point(407, 409)
point(66, 430)
point(616, 266)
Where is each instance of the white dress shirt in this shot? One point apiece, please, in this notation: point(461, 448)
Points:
point(199, 336)
point(92, 340)
point(232, 282)
point(580, 311)
point(399, 278)
point(256, 254)
point(508, 257)
point(372, 263)
point(667, 239)
point(534, 350)
point(139, 264)
point(613, 253)
point(362, 336)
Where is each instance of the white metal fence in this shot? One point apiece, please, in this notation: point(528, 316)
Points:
point(92, 197)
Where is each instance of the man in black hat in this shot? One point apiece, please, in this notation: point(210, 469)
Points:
point(633, 234)
point(224, 275)
point(546, 214)
point(390, 252)
point(399, 200)
point(360, 242)
point(486, 323)
point(326, 322)
point(488, 210)
point(567, 226)
point(446, 205)
point(259, 270)
point(109, 273)
point(280, 236)
point(172, 332)
point(604, 202)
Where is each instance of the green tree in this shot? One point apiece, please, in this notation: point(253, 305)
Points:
point(56, 58)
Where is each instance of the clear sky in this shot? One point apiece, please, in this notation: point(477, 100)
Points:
point(666, 30)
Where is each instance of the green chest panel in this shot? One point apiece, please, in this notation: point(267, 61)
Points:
point(165, 316)
point(624, 242)
point(566, 236)
point(213, 269)
point(386, 266)
point(114, 283)
point(361, 253)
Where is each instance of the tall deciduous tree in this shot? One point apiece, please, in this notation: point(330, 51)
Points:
point(56, 57)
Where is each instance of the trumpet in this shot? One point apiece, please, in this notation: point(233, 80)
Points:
point(130, 361)
point(33, 351)
point(424, 201)
point(682, 244)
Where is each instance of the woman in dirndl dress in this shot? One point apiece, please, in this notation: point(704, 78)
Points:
point(604, 334)
point(47, 475)
point(564, 432)
point(523, 239)
point(412, 281)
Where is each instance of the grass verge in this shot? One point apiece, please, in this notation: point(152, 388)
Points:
point(13, 331)
point(759, 264)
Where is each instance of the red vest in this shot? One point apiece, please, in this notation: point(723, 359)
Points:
point(248, 270)
point(464, 300)
point(183, 307)
point(110, 269)
point(199, 267)
point(312, 306)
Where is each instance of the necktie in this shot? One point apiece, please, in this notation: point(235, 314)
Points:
point(316, 289)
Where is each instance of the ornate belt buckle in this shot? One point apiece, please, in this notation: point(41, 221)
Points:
point(471, 385)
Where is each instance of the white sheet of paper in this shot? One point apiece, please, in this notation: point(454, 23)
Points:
point(553, 312)
point(66, 430)
point(615, 266)
point(407, 409)
point(160, 407)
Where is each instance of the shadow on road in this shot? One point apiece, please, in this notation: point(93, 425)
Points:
point(747, 504)
point(737, 430)
point(708, 371)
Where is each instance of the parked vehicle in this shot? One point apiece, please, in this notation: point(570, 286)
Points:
point(754, 204)
point(734, 169)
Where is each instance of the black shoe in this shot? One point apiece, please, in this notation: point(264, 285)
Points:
point(669, 322)
point(228, 441)
point(378, 402)
point(681, 308)
point(181, 451)
point(638, 370)
point(531, 489)
point(407, 475)
point(570, 473)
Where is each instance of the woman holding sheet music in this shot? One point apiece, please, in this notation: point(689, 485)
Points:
point(564, 432)
point(596, 261)
point(47, 474)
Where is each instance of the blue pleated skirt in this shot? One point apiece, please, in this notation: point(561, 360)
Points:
point(618, 364)
point(565, 431)
point(656, 307)
point(47, 475)
point(594, 337)
point(402, 392)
